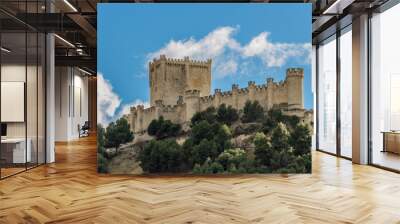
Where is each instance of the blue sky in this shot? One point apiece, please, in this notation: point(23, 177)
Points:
point(246, 42)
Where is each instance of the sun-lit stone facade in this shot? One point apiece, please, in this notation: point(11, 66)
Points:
point(181, 87)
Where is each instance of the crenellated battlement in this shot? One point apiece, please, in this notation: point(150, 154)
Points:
point(181, 87)
point(290, 72)
point(178, 61)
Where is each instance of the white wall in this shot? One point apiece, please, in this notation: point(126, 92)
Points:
point(71, 103)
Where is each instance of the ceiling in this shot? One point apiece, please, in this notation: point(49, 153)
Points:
point(75, 21)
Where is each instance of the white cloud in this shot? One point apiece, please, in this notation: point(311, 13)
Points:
point(107, 100)
point(257, 45)
point(126, 108)
point(227, 68)
point(275, 54)
point(210, 46)
point(229, 55)
point(109, 107)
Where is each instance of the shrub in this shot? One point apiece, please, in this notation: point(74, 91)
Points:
point(118, 133)
point(222, 137)
point(161, 156)
point(263, 151)
point(161, 128)
point(206, 149)
point(252, 112)
point(154, 126)
point(208, 167)
point(227, 115)
point(292, 121)
point(202, 130)
point(208, 115)
point(235, 156)
point(100, 136)
point(300, 139)
point(280, 137)
point(102, 164)
point(215, 167)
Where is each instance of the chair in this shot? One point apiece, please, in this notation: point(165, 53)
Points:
point(84, 130)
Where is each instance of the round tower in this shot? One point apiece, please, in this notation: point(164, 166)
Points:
point(192, 101)
point(295, 88)
point(132, 118)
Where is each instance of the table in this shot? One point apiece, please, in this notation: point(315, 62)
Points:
point(391, 141)
point(13, 150)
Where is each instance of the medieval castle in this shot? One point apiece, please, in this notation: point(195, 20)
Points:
point(181, 87)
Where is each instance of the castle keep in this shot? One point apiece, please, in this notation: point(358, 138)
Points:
point(180, 88)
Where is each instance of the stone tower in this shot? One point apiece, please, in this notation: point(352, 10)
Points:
point(295, 88)
point(192, 100)
point(170, 78)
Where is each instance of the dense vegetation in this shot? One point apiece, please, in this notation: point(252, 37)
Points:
point(161, 128)
point(101, 155)
point(280, 143)
point(113, 136)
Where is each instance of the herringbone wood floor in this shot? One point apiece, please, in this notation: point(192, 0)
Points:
point(70, 191)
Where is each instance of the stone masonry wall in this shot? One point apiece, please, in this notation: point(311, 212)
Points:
point(182, 93)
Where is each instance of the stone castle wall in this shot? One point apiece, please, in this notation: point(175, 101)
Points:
point(185, 93)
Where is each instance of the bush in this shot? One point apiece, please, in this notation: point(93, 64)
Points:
point(118, 133)
point(274, 116)
point(202, 130)
point(206, 149)
point(208, 115)
point(154, 126)
point(208, 167)
point(222, 137)
point(300, 139)
point(227, 115)
point(252, 112)
point(292, 121)
point(100, 136)
point(161, 156)
point(161, 128)
point(215, 167)
point(232, 156)
point(280, 138)
point(102, 164)
point(263, 151)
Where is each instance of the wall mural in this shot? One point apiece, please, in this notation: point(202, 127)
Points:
point(204, 88)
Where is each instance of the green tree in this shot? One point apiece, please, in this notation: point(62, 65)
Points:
point(300, 139)
point(271, 120)
point(235, 156)
point(202, 130)
point(118, 133)
point(161, 156)
point(280, 137)
point(205, 149)
point(263, 149)
point(252, 112)
point(216, 167)
point(154, 126)
point(227, 115)
point(208, 167)
point(292, 121)
point(100, 136)
point(161, 128)
point(102, 163)
point(222, 136)
point(282, 154)
point(208, 115)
